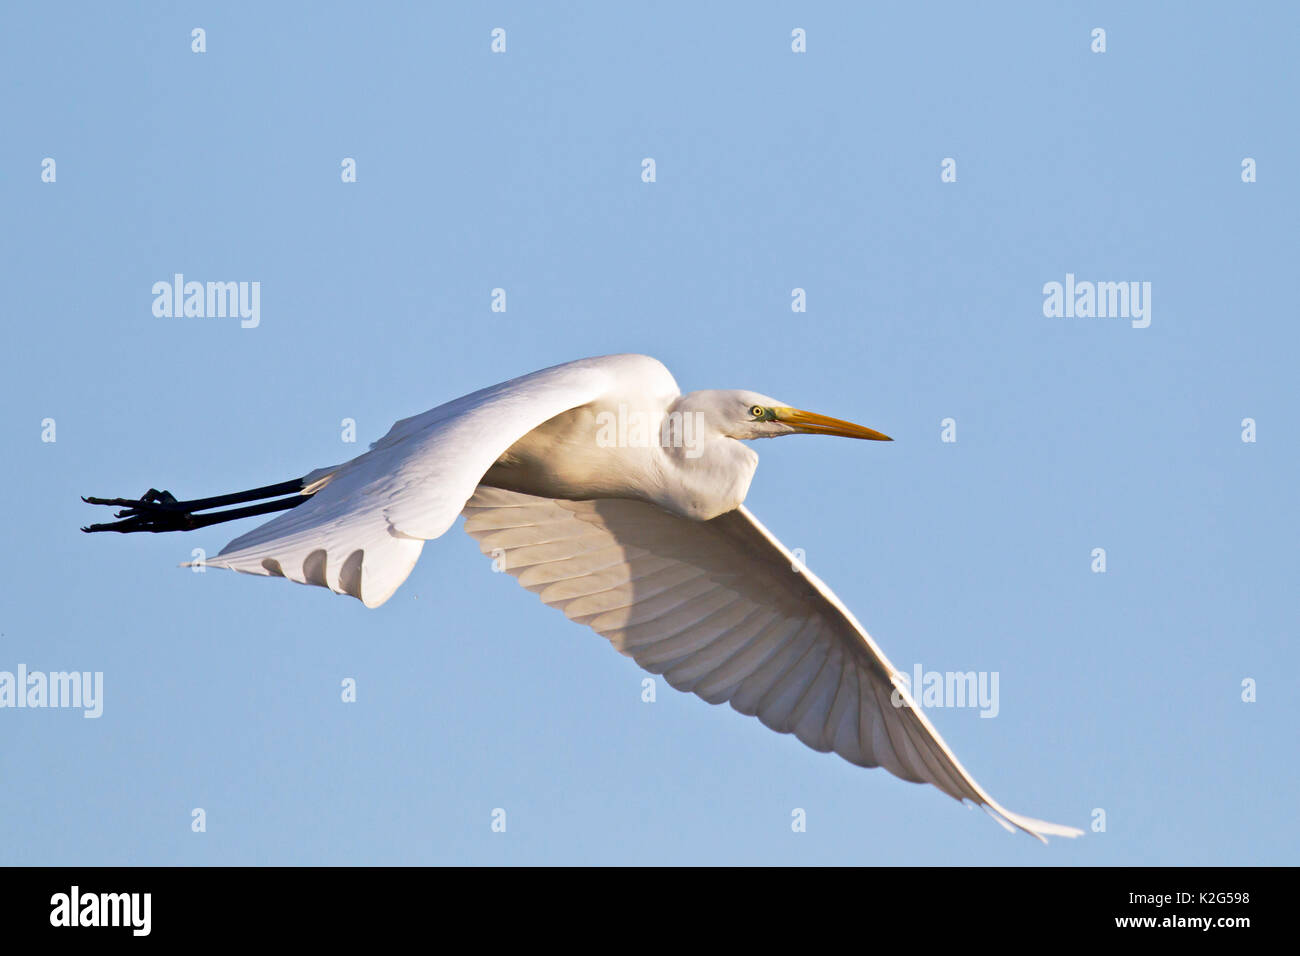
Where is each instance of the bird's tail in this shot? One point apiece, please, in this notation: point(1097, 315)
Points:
point(321, 539)
point(327, 542)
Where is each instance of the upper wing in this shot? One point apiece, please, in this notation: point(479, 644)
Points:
point(367, 520)
point(718, 608)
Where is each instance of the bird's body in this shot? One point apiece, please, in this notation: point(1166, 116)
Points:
point(653, 451)
point(618, 500)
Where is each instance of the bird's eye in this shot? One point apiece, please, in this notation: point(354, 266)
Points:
point(758, 411)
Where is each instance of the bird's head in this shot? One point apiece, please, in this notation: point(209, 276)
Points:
point(745, 415)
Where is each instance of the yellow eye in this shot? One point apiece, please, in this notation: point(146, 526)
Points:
point(758, 411)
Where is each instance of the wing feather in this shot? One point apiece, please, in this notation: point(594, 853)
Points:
point(362, 529)
point(718, 608)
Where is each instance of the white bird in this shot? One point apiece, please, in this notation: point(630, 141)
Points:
point(619, 501)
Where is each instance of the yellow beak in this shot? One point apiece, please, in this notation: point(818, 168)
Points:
point(814, 424)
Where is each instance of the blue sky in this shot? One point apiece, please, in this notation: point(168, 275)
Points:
point(1119, 691)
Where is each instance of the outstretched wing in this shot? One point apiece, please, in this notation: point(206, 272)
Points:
point(362, 530)
point(718, 609)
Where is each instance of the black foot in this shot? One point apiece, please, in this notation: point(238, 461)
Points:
point(158, 511)
point(155, 511)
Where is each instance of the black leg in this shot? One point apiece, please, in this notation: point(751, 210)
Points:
point(158, 511)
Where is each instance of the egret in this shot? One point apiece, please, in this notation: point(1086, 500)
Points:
point(618, 500)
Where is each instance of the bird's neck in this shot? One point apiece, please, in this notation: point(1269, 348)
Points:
point(708, 479)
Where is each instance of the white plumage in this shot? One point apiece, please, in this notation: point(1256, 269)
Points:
point(647, 544)
point(366, 523)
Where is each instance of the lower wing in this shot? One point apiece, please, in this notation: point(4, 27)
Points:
point(719, 609)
